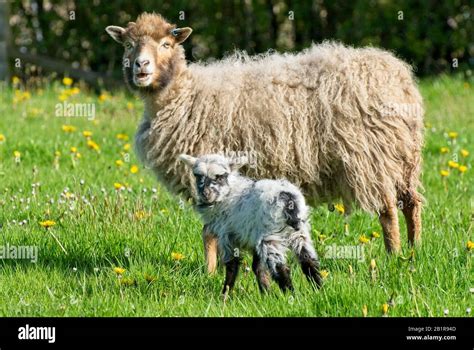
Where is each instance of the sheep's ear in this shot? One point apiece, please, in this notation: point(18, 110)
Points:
point(116, 33)
point(181, 34)
point(188, 160)
point(237, 163)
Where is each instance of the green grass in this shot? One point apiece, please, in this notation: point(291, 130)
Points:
point(139, 230)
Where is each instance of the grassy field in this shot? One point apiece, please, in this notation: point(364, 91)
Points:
point(109, 214)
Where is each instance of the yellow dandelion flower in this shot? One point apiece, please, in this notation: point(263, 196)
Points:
point(470, 245)
point(375, 234)
point(73, 149)
point(62, 97)
point(2, 138)
point(118, 185)
point(68, 128)
point(47, 223)
point(462, 169)
point(464, 153)
point(363, 239)
point(141, 214)
point(119, 270)
point(130, 106)
point(453, 134)
point(177, 256)
point(134, 169)
point(339, 207)
point(57, 154)
point(123, 137)
point(92, 145)
point(444, 150)
point(15, 80)
point(87, 133)
point(126, 147)
point(16, 154)
point(78, 155)
point(67, 81)
point(75, 91)
point(103, 97)
point(324, 274)
point(385, 308)
point(453, 164)
point(119, 162)
point(444, 173)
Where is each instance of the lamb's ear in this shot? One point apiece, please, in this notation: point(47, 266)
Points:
point(116, 33)
point(238, 162)
point(188, 160)
point(181, 34)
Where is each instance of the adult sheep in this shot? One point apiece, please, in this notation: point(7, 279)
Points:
point(340, 122)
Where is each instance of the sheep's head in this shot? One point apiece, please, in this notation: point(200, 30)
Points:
point(212, 173)
point(152, 51)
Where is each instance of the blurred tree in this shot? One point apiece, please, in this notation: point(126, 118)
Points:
point(426, 33)
point(4, 39)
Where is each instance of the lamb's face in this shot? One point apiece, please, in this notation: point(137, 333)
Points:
point(212, 174)
point(151, 47)
point(211, 182)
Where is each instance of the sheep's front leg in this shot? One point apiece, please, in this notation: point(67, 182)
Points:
point(261, 272)
point(231, 271)
point(210, 249)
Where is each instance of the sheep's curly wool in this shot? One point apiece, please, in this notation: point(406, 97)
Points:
point(339, 122)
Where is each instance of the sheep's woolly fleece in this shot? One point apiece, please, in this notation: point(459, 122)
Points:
point(341, 123)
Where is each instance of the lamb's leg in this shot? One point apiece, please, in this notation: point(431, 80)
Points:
point(302, 246)
point(274, 254)
point(391, 231)
point(231, 271)
point(281, 274)
point(210, 249)
point(412, 212)
point(261, 272)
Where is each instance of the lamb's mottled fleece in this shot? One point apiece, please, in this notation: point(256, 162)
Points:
point(265, 217)
point(342, 123)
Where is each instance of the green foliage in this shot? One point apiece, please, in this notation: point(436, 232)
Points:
point(427, 34)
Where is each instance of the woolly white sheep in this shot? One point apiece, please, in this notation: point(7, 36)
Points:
point(341, 123)
point(266, 217)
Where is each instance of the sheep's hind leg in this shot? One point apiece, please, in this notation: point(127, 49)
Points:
point(308, 258)
point(231, 271)
point(412, 213)
point(391, 230)
point(210, 249)
point(261, 272)
point(279, 270)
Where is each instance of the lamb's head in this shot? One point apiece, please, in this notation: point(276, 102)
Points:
point(152, 51)
point(214, 174)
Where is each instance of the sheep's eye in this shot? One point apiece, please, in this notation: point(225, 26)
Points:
point(128, 45)
point(220, 178)
point(166, 45)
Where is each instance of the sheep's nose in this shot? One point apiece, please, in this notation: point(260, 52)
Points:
point(141, 63)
